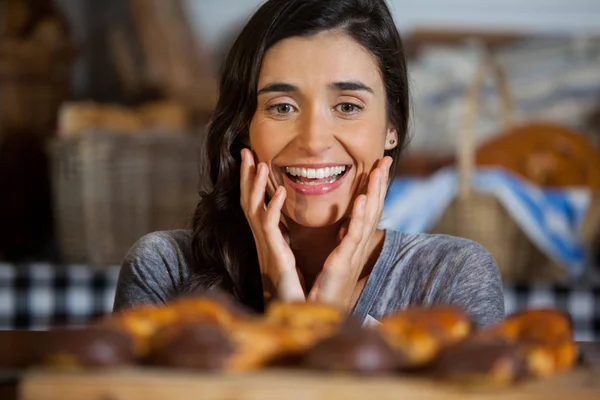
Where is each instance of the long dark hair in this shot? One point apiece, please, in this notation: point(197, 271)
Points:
point(223, 245)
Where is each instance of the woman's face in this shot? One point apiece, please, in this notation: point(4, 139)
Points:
point(320, 124)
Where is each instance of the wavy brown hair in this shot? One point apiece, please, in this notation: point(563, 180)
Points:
point(223, 245)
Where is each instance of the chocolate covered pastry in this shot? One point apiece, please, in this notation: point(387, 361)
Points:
point(142, 323)
point(352, 349)
point(250, 346)
point(529, 344)
point(481, 361)
point(84, 348)
point(191, 346)
point(546, 337)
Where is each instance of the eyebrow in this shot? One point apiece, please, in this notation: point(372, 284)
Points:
point(350, 85)
point(280, 87)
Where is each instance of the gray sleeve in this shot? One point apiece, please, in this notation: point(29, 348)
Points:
point(477, 288)
point(150, 273)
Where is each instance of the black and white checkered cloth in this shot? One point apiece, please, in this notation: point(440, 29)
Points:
point(40, 296)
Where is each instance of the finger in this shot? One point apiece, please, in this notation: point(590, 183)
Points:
point(246, 162)
point(343, 230)
point(247, 175)
point(256, 204)
point(273, 214)
point(373, 194)
point(355, 234)
point(386, 165)
point(284, 232)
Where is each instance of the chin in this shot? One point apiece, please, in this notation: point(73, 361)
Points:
point(317, 216)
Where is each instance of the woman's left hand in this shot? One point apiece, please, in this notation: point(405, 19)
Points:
point(343, 267)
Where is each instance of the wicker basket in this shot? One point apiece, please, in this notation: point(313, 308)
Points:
point(480, 216)
point(110, 189)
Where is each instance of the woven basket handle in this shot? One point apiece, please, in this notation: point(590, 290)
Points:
point(466, 143)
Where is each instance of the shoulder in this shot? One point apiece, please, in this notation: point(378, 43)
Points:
point(154, 269)
point(174, 243)
point(434, 248)
point(433, 268)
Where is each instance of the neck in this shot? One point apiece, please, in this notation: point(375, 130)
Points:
point(311, 247)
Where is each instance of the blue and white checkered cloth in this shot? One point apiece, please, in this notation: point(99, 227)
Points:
point(40, 296)
point(551, 218)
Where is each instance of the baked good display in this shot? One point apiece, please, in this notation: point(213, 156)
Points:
point(546, 154)
point(211, 333)
point(77, 118)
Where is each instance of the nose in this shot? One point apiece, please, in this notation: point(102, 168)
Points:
point(315, 133)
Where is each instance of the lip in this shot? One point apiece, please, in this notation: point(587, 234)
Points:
point(316, 166)
point(315, 190)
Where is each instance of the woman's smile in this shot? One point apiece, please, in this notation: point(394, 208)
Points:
point(315, 179)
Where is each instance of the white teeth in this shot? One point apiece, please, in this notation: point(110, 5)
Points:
point(315, 173)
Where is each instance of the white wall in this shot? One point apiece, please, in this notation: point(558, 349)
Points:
point(216, 18)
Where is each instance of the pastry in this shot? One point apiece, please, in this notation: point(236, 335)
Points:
point(352, 349)
point(191, 346)
point(529, 344)
point(74, 349)
point(420, 333)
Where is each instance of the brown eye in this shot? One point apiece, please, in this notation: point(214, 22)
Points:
point(282, 108)
point(348, 108)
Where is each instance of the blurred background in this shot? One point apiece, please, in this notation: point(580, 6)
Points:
point(103, 105)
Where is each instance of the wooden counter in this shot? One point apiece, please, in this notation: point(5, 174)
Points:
point(130, 384)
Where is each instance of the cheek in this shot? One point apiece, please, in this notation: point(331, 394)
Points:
point(266, 144)
point(365, 145)
point(261, 141)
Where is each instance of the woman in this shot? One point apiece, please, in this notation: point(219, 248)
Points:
point(311, 118)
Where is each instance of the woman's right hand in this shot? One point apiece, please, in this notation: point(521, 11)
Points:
point(280, 276)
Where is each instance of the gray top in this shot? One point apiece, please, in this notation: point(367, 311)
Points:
point(412, 269)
